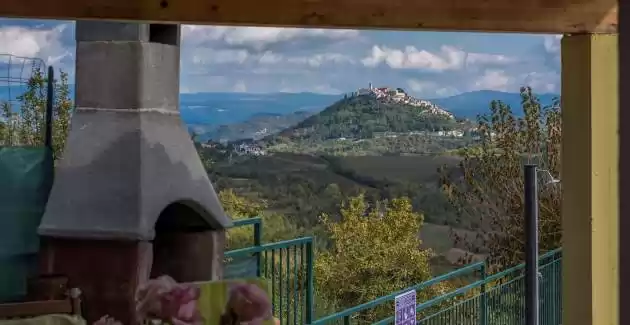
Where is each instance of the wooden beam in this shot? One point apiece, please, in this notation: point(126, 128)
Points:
point(590, 179)
point(624, 162)
point(527, 16)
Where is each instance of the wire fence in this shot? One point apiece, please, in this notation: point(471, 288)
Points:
point(26, 101)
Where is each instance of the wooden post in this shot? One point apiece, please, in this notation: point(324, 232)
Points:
point(590, 172)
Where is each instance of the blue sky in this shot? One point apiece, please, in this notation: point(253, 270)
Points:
point(250, 59)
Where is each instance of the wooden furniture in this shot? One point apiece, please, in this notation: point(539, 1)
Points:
point(70, 305)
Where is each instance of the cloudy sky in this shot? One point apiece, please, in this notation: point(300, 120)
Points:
point(250, 59)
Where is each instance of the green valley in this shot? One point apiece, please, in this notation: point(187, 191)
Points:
point(383, 149)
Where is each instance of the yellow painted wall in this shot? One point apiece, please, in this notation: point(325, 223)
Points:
point(590, 110)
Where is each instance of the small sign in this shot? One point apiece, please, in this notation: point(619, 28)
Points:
point(406, 308)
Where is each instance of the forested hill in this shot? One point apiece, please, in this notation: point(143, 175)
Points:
point(361, 117)
point(258, 126)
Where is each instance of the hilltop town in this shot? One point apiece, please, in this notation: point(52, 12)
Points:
point(398, 95)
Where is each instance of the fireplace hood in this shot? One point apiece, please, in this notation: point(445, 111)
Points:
point(128, 155)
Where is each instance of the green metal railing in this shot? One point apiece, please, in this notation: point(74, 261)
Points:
point(498, 299)
point(246, 266)
point(287, 265)
point(348, 316)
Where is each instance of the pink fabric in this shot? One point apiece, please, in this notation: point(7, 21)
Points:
point(165, 299)
point(176, 304)
point(249, 303)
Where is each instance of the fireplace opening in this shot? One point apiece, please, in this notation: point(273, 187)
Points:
point(185, 245)
point(181, 216)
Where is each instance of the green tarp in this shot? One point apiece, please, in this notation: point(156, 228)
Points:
point(26, 175)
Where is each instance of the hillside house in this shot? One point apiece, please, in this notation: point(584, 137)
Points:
point(249, 150)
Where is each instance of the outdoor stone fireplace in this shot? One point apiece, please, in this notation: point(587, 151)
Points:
point(131, 199)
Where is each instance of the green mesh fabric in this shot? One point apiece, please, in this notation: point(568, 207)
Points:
point(240, 268)
point(26, 175)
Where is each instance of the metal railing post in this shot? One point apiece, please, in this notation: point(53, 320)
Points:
point(50, 101)
point(483, 303)
point(258, 242)
point(309, 284)
point(531, 246)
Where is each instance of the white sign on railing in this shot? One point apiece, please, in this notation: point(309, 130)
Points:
point(405, 305)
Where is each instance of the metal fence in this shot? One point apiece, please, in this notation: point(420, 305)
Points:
point(287, 265)
point(500, 298)
point(483, 299)
point(497, 299)
point(245, 265)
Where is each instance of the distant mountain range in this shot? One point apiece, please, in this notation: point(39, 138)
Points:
point(204, 112)
point(258, 126)
point(471, 104)
point(215, 109)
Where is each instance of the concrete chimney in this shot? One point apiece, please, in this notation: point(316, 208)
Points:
point(130, 197)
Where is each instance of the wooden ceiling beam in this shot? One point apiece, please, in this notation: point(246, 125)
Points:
point(526, 16)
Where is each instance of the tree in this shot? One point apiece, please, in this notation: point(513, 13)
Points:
point(25, 127)
point(7, 124)
point(373, 252)
point(275, 227)
point(487, 188)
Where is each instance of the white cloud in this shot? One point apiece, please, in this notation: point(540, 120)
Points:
point(412, 58)
point(317, 60)
point(420, 85)
point(259, 38)
point(448, 58)
point(427, 89)
point(240, 87)
point(206, 56)
point(25, 42)
point(487, 59)
point(542, 82)
point(493, 80)
point(216, 58)
point(202, 57)
point(552, 44)
point(291, 87)
point(270, 58)
point(550, 53)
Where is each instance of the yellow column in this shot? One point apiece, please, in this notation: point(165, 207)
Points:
point(590, 158)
